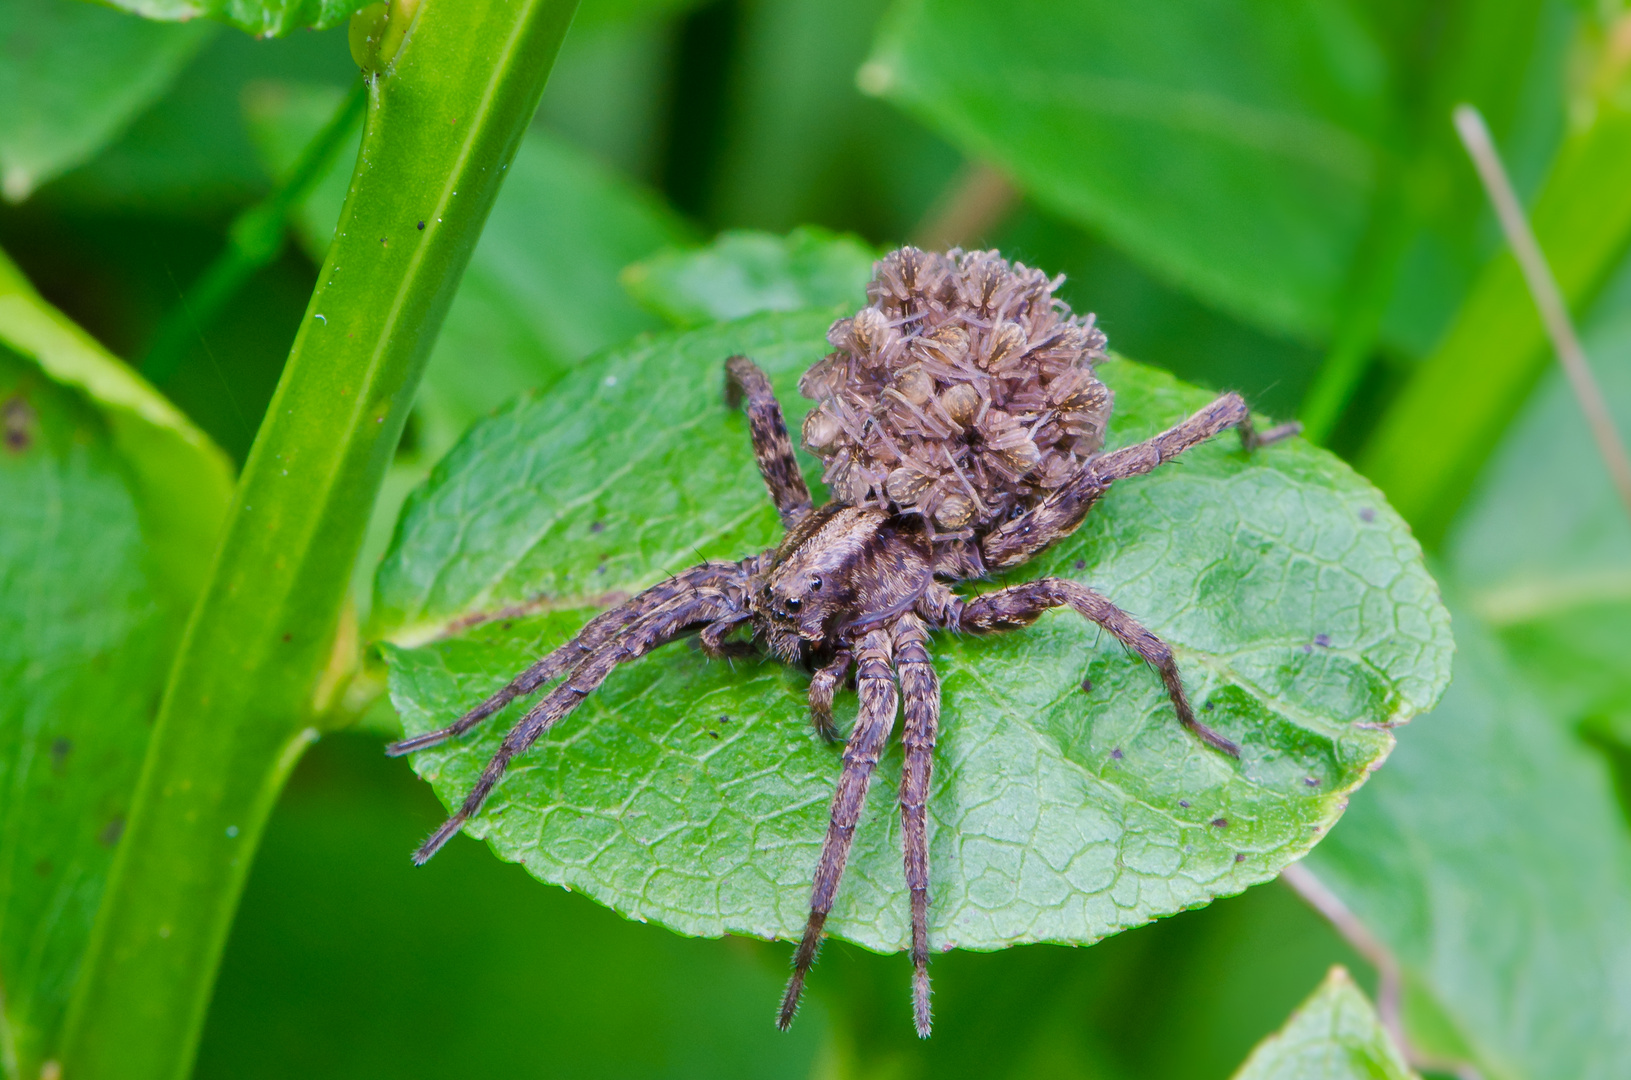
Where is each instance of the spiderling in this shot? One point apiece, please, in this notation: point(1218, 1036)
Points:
point(959, 423)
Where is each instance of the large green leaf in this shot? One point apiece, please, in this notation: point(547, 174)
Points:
point(72, 75)
point(83, 649)
point(112, 504)
point(695, 795)
point(1334, 1035)
point(1543, 549)
point(1491, 858)
point(1230, 146)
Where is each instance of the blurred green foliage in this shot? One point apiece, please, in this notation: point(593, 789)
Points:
point(1253, 195)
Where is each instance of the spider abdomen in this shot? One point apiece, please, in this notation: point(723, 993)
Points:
point(962, 395)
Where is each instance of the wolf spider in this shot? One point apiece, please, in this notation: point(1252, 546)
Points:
point(851, 588)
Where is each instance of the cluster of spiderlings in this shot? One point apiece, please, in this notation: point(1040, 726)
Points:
point(964, 392)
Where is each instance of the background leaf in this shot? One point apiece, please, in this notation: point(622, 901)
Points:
point(1232, 147)
point(693, 794)
point(1491, 858)
point(119, 66)
point(1543, 550)
point(743, 273)
point(113, 500)
point(1334, 1035)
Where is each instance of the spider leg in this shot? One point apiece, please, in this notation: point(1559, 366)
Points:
point(671, 622)
point(1060, 513)
point(1020, 605)
point(823, 685)
point(597, 632)
point(715, 645)
point(920, 695)
point(876, 687)
point(771, 445)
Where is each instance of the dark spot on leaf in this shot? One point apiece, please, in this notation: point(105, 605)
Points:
point(384, 242)
point(1308, 648)
point(713, 734)
point(1116, 753)
point(601, 569)
point(1323, 640)
point(1184, 803)
point(1312, 781)
point(421, 226)
point(111, 832)
point(288, 637)
point(60, 749)
point(1221, 822)
point(18, 420)
point(1087, 686)
point(1080, 564)
point(597, 526)
point(724, 718)
point(1240, 856)
point(1206, 707)
point(1367, 514)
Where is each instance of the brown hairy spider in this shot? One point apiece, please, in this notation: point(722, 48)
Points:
point(960, 424)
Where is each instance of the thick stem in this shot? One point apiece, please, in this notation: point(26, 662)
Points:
point(445, 117)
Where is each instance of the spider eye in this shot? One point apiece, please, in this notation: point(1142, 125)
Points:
point(794, 603)
point(815, 584)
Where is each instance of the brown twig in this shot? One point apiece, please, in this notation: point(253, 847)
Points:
point(1389, 980)
point(1554, 312)
point(974, 203)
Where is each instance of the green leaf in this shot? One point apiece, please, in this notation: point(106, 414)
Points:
point(695, 795)
point(1491, 858)
point(1230, 147)
point(263, 18)
point(72, 76)
point(743, 273)
point(265, 649)
point(113, 501)
point(183, 480)
point(83, 649)
point(1543, 549)
point(1334, 1035)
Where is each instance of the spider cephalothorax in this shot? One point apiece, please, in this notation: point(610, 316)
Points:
point(959, 422)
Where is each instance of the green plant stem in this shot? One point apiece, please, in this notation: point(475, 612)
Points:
point(1428, 447)
point(254, 240)
point(444, 120)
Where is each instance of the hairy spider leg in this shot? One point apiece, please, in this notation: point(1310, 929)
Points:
point(823, 685)
point(920, 699)
point(1059, 514)
point(875, 685)
point(771, 446)
point(1021, 605)
point(602, 628)
point(678, 618)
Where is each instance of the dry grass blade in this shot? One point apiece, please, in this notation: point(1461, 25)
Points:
point(1554, 313)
